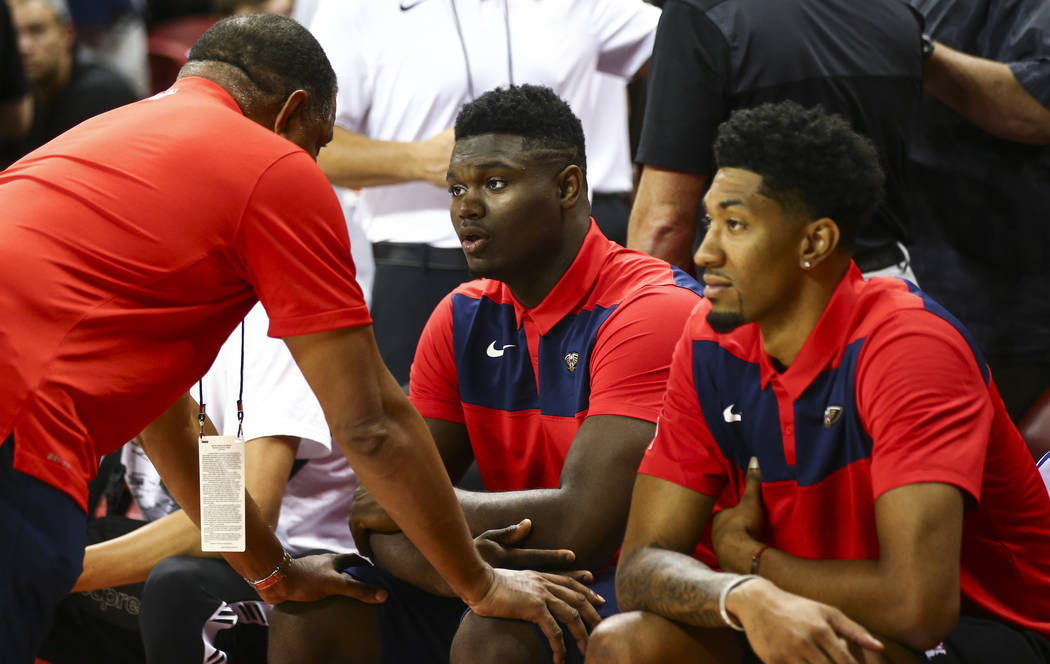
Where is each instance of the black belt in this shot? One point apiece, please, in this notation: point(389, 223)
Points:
point(418, 255)
point(880, 258)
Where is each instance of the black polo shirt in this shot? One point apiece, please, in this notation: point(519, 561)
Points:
point(862, 60)
point(983, 248)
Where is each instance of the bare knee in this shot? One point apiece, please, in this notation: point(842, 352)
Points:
point(613, 641)
point(334, 629)
point(497, 641)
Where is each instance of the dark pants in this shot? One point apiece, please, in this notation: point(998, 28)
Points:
point(100, 626)
point(410, 280)
point(611, 212)
point(201, 610)
point(416, 626)
point(41, 557)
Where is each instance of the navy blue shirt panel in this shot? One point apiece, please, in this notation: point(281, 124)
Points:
point(564, 361)
point(493, 365)
point(742, 417)
point(506, 382)
point(934, 307)
point(828, 432)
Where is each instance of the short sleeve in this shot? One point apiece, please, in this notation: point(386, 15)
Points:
point(433, 383)
point(295, 250)
point(686, 92)
point(625, 30)
point(923, 400)
point(12, 76)
point(632, 354)
point(683, 450)
point(337, 26)
point(1026, 48)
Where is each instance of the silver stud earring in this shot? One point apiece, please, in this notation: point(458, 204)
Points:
point(807, 264)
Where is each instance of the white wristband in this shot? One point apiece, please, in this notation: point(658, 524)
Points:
point(744, 578)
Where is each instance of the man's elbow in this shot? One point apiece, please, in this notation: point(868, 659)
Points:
point(363, 438)
point(925, 622)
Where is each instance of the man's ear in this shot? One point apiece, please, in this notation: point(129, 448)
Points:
point(819, 238)
point(291, 113)
point(570, 185)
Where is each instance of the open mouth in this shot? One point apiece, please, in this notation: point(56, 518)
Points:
point(472, 242)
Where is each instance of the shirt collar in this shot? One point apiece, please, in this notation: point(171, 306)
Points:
point(824, 343)
point(573, 286)
point(207, 87)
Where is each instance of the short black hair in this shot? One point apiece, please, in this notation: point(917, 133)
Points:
point(533, 112)
point(811, 162)
point(278, 54)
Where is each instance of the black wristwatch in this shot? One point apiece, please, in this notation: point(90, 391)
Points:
point(927, 46)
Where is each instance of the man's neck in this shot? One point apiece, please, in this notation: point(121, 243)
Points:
point(534, 287)
point(784, 334)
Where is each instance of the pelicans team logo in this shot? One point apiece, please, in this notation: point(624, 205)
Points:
point(831, 415)
point(571, 360)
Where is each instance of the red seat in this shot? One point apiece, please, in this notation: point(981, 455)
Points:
point(169, 45)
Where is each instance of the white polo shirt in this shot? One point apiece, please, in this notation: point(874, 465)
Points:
point(403, 76)
point(279, 402)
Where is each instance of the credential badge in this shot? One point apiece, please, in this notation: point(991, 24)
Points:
point(571, 360)
point(831, 414)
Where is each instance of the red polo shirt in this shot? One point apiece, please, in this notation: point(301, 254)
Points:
point(887, 390)
point(130, 247)
point(523, 380)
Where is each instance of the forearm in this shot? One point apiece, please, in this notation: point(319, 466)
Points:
point(591, 529)
point(396, 554)
point(129, 558)
point(663, 219)
point(987, 93)
point(398, 463)
point(672, 585)
point(355, 161)
point(171, 444)
point(867, 591)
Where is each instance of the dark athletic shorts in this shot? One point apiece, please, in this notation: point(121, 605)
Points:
point(416, 626)
point(975, 641)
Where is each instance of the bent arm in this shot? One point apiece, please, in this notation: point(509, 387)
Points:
point(171, 444)
point(130, 557)
point(987, 93)
point(657, 572)
point(391, 450)
point(354, 160)
point(663, 219)
point(585, 514)
point(911, 593)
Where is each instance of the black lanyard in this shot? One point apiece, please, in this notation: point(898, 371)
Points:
point(201, 416)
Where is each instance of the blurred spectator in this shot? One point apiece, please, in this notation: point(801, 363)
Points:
point(227, 7)
point(858, 59)
point(16, 104)
point(404, 71)
point(982, 168)
point(113, 32)
point(66, 91)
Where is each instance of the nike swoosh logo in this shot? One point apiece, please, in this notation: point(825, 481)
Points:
point(405, 9)
point(492, 351)
point(729, 416)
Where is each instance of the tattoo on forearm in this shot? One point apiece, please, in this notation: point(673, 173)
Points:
point(672, 585)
